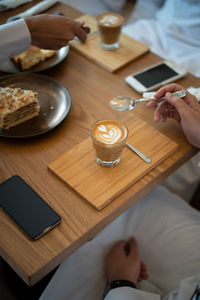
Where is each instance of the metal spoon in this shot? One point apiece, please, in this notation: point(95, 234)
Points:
point(140, 154)
point(123, 103)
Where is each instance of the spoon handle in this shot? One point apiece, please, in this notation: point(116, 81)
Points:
point(140, 154)
point(181, 94)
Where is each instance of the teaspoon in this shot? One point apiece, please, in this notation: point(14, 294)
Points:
point(139, 153)
point(123, 103)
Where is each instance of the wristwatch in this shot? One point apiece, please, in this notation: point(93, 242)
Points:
point(117, 283)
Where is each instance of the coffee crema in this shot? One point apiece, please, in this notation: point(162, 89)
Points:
point(109, 20)
point(109, 132)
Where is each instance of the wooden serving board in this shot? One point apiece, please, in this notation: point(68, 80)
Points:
point(100, 185)
point(111, 60)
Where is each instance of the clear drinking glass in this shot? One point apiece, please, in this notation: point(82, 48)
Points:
point(108, 138)
point(109, 26)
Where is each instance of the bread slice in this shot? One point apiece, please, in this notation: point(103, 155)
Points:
point(17, 106)
point(32, 57)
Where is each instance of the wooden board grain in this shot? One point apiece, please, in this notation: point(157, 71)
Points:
point(111, 60)
point(100, 185)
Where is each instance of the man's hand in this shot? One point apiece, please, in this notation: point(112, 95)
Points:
point(185, 110)
point(54, 31)
point(123, 262)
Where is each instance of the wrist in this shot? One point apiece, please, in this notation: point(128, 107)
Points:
point(116, 284)
point(32, 26)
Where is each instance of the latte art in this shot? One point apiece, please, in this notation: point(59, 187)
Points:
point(109, 20)
point(109, 131)
point(108, 134)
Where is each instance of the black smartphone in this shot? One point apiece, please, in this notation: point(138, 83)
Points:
point(27, 209)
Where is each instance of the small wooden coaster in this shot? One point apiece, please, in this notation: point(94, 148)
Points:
point(100, 185)
point(111, 60)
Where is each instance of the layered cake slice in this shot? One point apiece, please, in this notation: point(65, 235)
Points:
point(17, 106)
point(32, 57)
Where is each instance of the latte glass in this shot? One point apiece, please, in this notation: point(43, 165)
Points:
point(109, 26)
point(108, 138)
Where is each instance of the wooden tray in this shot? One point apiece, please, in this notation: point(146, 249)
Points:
point(111, 60)
point(100, 185)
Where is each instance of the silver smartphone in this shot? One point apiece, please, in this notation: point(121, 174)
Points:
point(155, 76)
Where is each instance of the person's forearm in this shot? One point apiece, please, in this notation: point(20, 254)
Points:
point(14, 39)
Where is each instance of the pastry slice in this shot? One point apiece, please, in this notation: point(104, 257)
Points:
point(17, 106)
point(32, 57)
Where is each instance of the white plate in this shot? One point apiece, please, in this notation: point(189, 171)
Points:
point(10, 67)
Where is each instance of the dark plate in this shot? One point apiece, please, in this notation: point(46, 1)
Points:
point(54, 99)
point(10, 67)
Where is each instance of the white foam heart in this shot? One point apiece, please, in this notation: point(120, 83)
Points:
point(111, 133)
point(107, 136)
point(102, 128)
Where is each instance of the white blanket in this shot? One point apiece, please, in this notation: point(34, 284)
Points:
point(167, 230)
point(172, 31)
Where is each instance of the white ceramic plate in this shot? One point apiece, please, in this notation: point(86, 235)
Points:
point(10, 67)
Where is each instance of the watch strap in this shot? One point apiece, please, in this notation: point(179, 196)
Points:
point(116, 284)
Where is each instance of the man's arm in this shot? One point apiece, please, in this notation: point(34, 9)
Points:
point(123, 270)
point(54, 31)
point(124, 267)
point(44, 31)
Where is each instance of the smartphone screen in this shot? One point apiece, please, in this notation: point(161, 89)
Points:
point(155, 75)
point(29, 211)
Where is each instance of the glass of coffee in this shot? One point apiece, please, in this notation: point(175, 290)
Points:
point(109, 26)
point(108, 138)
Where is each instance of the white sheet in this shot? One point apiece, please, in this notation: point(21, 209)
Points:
point(167, 230)
point(173, 31)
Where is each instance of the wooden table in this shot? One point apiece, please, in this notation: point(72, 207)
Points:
point(90, 87)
